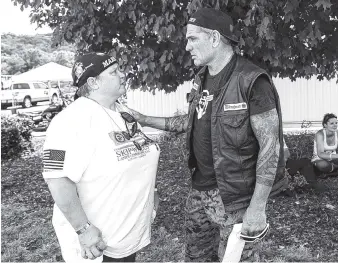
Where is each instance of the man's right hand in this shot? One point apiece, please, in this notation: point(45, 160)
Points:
point(138, 116)
point(92, 244)
point(171, 124)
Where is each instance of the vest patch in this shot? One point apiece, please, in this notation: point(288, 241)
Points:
point(236, 106)
point(203, 103)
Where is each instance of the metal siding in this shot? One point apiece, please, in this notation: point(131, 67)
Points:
point(161, 104)
point(307, 99)
point(300, 100)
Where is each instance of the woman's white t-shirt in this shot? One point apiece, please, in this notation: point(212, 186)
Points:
point(115, 180)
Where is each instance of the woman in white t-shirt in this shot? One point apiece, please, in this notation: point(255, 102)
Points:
point(100, 168)
point(325, 157)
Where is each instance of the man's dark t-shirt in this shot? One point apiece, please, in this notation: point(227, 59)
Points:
point(261, 100)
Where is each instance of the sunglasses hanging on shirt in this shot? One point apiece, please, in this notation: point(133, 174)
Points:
point(130, 133)
point(128, 118)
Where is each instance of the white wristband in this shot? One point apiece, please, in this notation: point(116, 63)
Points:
point(83, 229)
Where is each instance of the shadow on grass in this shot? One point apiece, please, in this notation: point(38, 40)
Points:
point(27, 235)
point(303, 228)
point(165, 247)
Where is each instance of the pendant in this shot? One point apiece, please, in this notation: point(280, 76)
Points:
point(137, 145)
point(126, 135)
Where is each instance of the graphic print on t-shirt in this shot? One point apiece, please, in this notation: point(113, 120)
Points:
point(129, 149)
point(117, 137)
point(203, 103)
point(53, 160)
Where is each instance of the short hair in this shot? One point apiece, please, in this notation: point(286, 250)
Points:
point(328, 116)
point(223, 38)
point(85, 89)
point(205, 31)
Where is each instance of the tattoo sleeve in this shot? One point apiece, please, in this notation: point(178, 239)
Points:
point(177, 123)
point(266, 129)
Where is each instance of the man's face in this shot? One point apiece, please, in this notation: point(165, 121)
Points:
point(113, 81)
point(199, 44)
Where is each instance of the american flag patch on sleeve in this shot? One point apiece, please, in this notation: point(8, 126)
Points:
point(53, 159)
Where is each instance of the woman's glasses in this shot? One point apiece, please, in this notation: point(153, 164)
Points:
point(128, 118)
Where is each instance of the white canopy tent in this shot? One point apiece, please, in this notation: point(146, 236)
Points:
point(48, 72)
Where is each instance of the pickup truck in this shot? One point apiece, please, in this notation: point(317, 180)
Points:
point(28, 94)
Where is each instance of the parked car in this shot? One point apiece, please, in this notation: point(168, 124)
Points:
point(28, 94)
point(42, 119)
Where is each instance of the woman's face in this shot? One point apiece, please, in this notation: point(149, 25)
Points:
point(112, 81)
point(331, 124)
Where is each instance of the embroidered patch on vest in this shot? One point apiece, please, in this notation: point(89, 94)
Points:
point(236, 106)
point(203, 103)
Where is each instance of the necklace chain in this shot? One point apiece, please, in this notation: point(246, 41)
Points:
point(111, 118)
point(107, 113)
point(137, 145)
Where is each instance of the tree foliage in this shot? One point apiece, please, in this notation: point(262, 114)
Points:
point(20, 53)
point(292, 38)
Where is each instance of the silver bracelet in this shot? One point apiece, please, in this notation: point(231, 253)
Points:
point(83, 229)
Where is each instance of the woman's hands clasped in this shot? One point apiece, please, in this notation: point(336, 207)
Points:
point(92, 244)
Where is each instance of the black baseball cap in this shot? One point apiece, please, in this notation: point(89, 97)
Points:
point(215, 20)
point(90, 65)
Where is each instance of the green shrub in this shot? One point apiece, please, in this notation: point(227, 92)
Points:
point(300, 143)
point(15, 136)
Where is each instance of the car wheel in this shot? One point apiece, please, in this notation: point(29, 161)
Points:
point(27, 102)
point(55, 99)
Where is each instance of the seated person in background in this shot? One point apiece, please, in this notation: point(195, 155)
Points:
point(304, 167)
point(325, 157)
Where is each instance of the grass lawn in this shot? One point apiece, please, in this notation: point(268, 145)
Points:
point(303, 228)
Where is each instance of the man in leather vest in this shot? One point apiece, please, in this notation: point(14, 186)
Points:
point(234, 137)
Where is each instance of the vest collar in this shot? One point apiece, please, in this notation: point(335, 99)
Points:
point(201, 73)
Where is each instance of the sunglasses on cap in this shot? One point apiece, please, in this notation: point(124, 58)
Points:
point(251, 239)
point(128, 118)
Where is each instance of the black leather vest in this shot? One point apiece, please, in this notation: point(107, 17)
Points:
point(234, 145)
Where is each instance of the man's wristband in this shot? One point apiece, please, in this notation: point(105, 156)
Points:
point(83, 229)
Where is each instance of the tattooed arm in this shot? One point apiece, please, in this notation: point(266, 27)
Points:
point(172, 124)
point(266, 129)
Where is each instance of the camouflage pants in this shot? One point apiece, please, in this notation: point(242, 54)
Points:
point(208, 227)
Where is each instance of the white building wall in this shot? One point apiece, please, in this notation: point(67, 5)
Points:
point(300, 100)
point(307, 99)
point(161, 104)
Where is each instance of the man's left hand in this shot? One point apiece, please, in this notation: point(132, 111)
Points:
point(254, 222)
